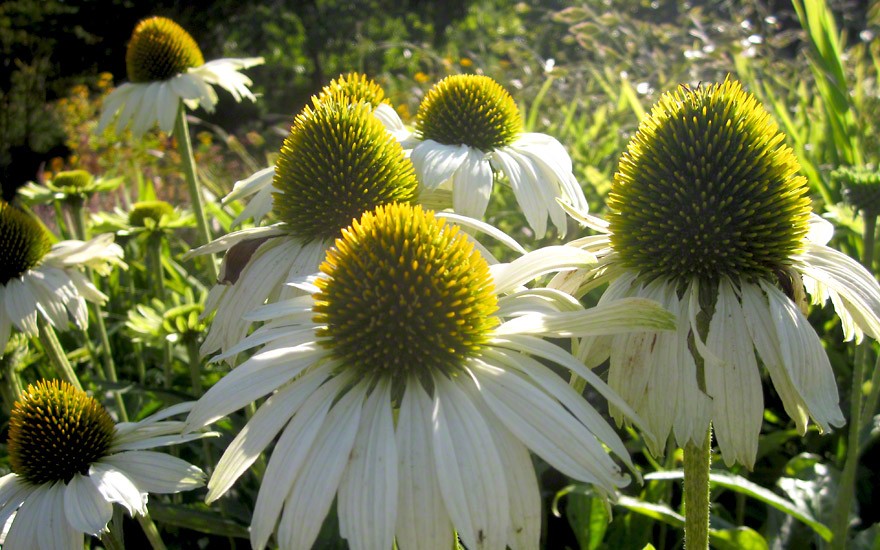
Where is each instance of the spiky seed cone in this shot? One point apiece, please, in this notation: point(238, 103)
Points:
point(706, 189)
point(160, 49)
point(23, 242)
point(471, 110)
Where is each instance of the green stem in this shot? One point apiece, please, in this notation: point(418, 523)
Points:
point(56, 354)
point(697, 462)
point(151, 532)
point(80, 227)
point(846, 490)
point(11, 388)
point(114, 538)
point(870, 407)
point(181, 130)
point(195, 364)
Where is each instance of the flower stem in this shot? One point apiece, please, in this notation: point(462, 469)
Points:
point(114, 538)
point(181, 129)
point(56, 354)
point(151, 532)
point(846, 491)
point(697, 462)
point(10, 363)
point(81, 232)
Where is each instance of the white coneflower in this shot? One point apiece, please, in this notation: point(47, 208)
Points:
point(351, 87)
point(71, 463)
point(38, 278)
point(409, 386)
point(165, 66)
point(337, 162)
point(710, 218)
point(467, 127)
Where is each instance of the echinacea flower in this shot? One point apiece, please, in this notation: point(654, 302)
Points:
point(860, 187)
point(73, 186)
point(409, 386)
point(467, 128)
point(165, 66)
point(337, 162)
point(349, 87)
point(71, 463)
point(38, 278)
point(710, 218)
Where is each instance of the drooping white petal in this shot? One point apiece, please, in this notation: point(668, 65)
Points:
point(435, 162)
point(523, 180)
point(167, 104)
point(116, 487)
point(260, 430)
point(546, 427)
point(13, 492)
point(469, 469)
point(521, 481)
point(254, 378)
point(55, 532)
point(315, 487)
point(804, 361)
point(422, 520)
point(28, 520)
point(21, 306)
point(847, 278)
point(733, 382)
point(85, 506)
point(111, 105)
point(368, 489)
point(472, 185)
point(145, 117)
point(391, 120)
point(485, 228)
point(288, 457)
point(154, 472)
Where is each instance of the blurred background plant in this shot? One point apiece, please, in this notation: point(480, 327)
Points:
point(583, 72)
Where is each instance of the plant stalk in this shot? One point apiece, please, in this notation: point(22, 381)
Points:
point(846, 491)
point(181, 130)
point(697, 463)
point(151, 531)
point(56, 354)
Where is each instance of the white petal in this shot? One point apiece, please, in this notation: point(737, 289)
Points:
point(733, 383)
point(849, 279)
point(145, 118)
point(154, 472)
point(547, 428)
point(260, 430)
point(167, 104)
point(315, 487)
point(252, 379)
point(21, 306)
point(526, 188)
point(625, 315)
point(116, 487)
point(87, 510)
point(29, 519)
point(231, 239)
point(422, 520)
point(483, 227)
point(805, 363)
point(288, 457)
point(111, 105)
point(55, 532)
point(469, 469)
point(820, 230)
point(131, 106)
point(472, 185)
point(368, 491)
point(435, 162)
point(536, 263)
point(13, 492)
point(5, 323)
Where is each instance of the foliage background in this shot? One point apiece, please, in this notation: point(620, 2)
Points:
point(583, 72)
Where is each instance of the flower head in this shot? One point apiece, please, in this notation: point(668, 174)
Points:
point(337, 162)
point(406, 387)
point(467, 127)
point(159, 49)
point(71, 463)
point(165, 67)
point(860, 187)
point(710, 218)
point(39, 278)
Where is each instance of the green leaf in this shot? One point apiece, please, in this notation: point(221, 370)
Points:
point(202, 520)
point(742, 485)
point(588, 518)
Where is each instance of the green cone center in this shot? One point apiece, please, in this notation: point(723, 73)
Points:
point(355, 87)
point(405, 294)
point(469, 110)
point(57, 431)
point(72, 182)
point(148, 210)
point(23, 243)
point(160, 49)
point(707, 189)
point(338, 162)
